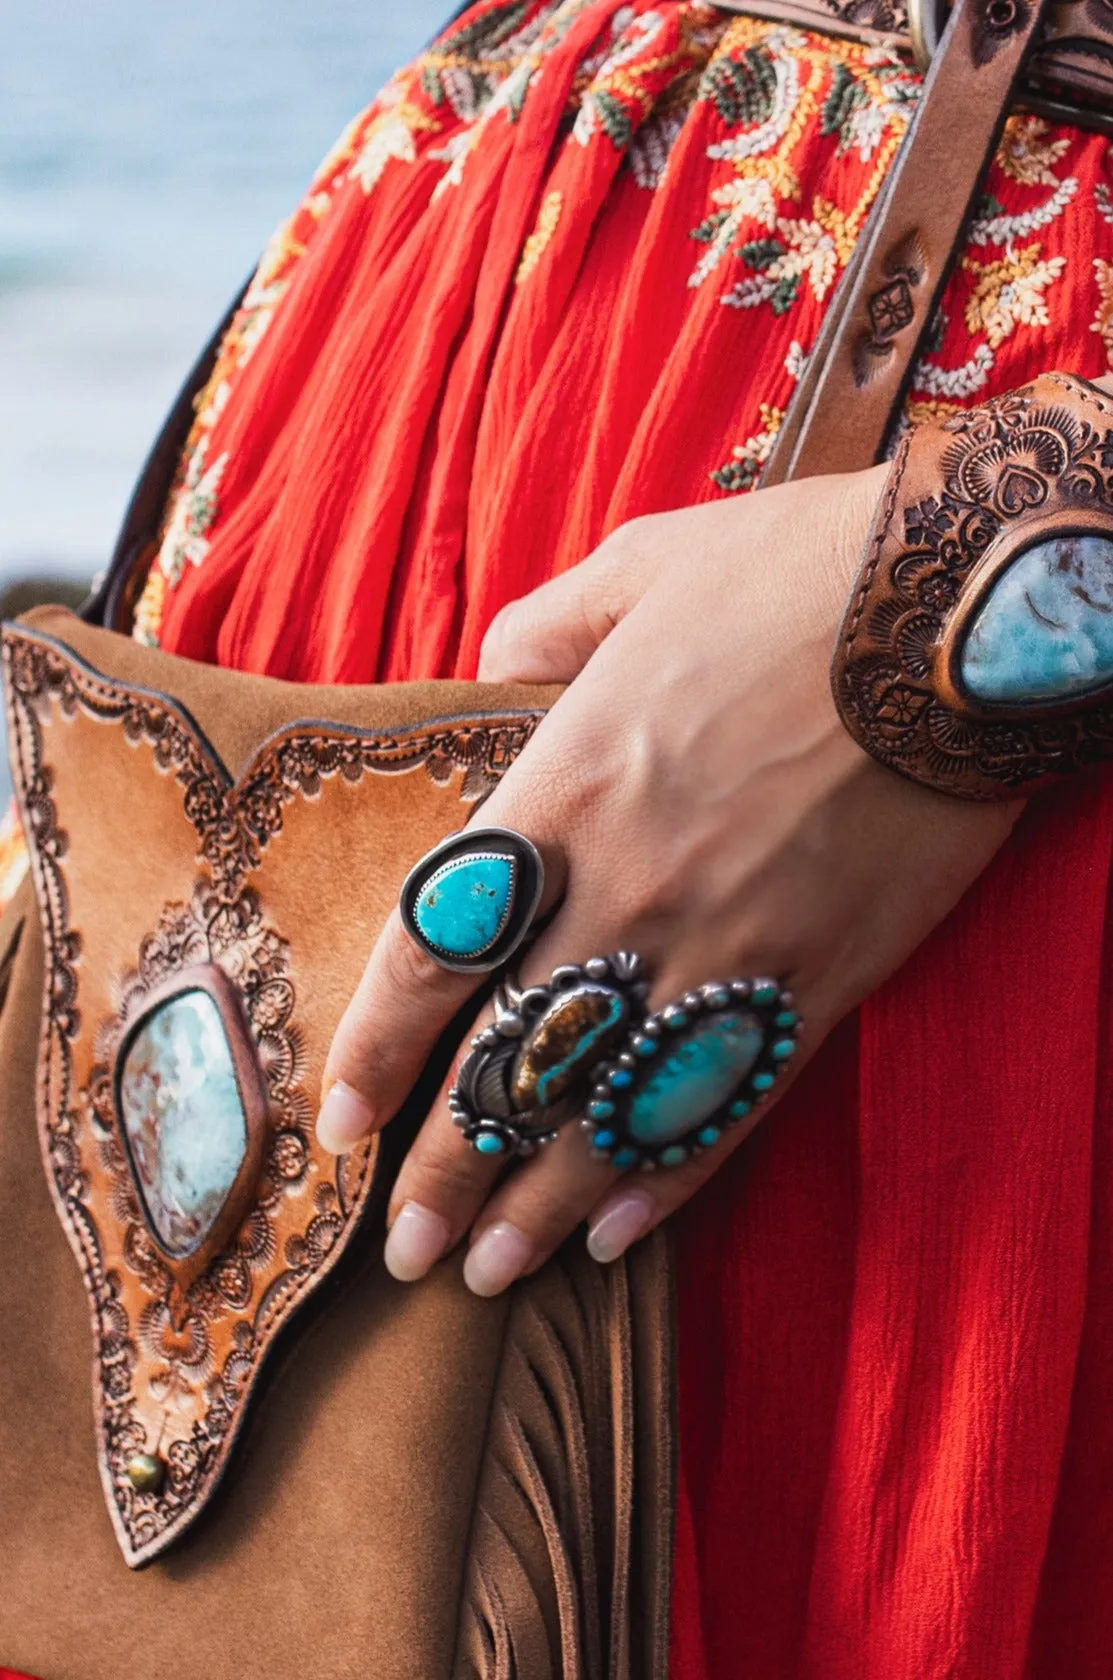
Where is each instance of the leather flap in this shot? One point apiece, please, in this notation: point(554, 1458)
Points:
point(198, 846)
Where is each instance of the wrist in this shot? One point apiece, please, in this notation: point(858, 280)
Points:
point(976, 653)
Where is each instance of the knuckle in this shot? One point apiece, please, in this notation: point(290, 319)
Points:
point(499, 644)
point(410, 971)
point(445, 1176)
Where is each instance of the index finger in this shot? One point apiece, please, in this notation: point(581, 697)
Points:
point(407, 997)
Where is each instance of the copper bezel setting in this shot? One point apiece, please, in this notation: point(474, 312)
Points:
point(215, 984)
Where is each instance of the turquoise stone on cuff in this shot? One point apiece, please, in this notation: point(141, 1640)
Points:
point(624, 1158)
point(489, 1143)
point(764, 1081)
point(184, 1119)
point(674, 1156)
point(466, 905)
point(1045, 631)
point(783, 1050)
point(695, 1077)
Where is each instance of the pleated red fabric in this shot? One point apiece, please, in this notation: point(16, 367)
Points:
point(565, 272)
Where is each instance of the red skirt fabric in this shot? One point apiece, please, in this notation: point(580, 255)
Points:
point(565, 272)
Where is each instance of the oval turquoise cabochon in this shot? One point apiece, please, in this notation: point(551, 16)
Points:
point(184, 1117)
point(695, 1077)
point(1045, 631)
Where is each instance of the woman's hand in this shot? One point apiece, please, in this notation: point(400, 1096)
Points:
point(715, 817)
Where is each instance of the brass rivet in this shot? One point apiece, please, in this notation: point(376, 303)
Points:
point(145, 1472)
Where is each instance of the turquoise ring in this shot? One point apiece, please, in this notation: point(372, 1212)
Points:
point(687, 1073)
point(528, 1072)
point(472, 901)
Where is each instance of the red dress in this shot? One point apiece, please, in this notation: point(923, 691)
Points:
point(564, 272)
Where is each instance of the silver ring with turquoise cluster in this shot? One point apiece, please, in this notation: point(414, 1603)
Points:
point(528, 1073)
point(472, 901)
point(690, 1071)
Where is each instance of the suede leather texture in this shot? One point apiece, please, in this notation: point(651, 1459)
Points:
point(353, 1533)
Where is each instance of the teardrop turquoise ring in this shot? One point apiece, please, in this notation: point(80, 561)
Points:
point(687, 1073)
point(472, 901)
point(527, 1073)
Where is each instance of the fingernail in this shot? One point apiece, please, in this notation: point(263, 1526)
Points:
point(345, 1117)
point(621, 1223)
point(416, 1242)
point(498, 1257)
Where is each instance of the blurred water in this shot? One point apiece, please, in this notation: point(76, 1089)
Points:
point(147, 149)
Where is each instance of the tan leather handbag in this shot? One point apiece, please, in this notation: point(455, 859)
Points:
point(311, 1469)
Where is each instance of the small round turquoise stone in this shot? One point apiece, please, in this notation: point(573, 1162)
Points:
point(787, 1018)
point(740, 1109)
point(709, 1136)
point(765, 993)
point(674, 1156)
point(624, 1158)
point(646, 1047)
point(465, 907)
point(604, 1140)
point(621, 1079)
point(764, 1081)
point(489, 1143)
point(695, 1077)
point(600, 1110)
point(784, 1049)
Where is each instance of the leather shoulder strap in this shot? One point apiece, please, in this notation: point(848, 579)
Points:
point(848, 398)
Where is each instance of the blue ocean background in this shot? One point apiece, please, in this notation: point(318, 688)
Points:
point(147, 151)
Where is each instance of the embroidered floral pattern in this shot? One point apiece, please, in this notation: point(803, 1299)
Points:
point(793, 133)
point(1103, 320)
point(1011, 293)
point(742, 472)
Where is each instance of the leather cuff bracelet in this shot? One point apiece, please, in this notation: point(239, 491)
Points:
point(976, 655)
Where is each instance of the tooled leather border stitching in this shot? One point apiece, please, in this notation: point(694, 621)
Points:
point(234, 823)
point(1011, 457)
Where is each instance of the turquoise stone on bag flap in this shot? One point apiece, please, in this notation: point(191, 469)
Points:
point(184, 1118)
point(465, 907)
point(695, 1077)
point(1045, 631)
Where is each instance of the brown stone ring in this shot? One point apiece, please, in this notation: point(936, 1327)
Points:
point(527, 1073)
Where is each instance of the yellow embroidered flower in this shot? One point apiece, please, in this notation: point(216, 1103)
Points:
point(1025, 154)
point(929, 411)
point(548, 219)
point(1010, 293)
point(1103, 320)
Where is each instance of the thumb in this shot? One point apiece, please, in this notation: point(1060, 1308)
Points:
point(549, 635)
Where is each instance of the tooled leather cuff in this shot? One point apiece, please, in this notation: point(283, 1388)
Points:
point(976, 654)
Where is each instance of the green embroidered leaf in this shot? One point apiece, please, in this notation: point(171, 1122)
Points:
point(707, 230)
point(986, 207)
point(432, 85)
point(845, 96)
point(784, 294)
point(736, 476)
point(485, 33)
point(744, 89)
point(615, 119)
point(761, 253)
